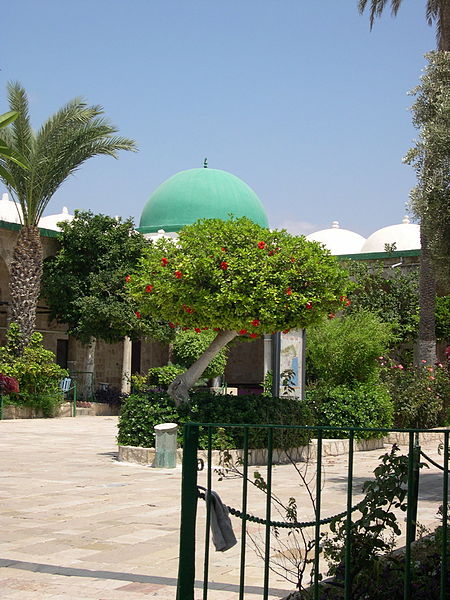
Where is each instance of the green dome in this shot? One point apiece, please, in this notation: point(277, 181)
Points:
point(200, 194)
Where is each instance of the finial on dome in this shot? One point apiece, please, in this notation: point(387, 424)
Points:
point(65, 210)
point(335, 225)
point(205, 163)
point(5, 197)
point(405, 220)
point(161, 231)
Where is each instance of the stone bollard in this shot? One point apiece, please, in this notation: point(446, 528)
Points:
point(166, 445)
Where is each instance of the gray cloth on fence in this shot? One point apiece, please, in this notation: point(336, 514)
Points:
point(221, 528)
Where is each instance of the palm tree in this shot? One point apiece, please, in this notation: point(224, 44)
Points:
point(64, 142)
point(438, 12)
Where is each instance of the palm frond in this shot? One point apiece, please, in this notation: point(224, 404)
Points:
point(63, 143)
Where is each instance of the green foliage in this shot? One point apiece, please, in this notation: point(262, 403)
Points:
point(345, 349)
point(85, 282)
point(35, 370)
point(235, 275)
point(390, 294)
point(163, 376)
point(141, 412)
point(443, 318)
point(420, 394)
point(188, 346)
point(6, 152)
point(362, 405)
point(430, 157)
point(372, 533)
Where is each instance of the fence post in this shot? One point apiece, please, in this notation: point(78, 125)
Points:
point(186, 565)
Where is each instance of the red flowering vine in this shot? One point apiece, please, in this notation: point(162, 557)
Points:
point(149, 289)
point(255, 323)
point(197, 329)
point(242, 331)
point(138, 314)
point(164, 261)
point(261, 245)
point(178, 274)
point(224, 265)
point(128, 278)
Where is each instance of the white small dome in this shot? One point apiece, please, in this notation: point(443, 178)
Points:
point(404, 236)
point(50, 221)
point(9, 210)
point(338, 241)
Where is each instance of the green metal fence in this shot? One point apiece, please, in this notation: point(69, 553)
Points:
point(414, 457)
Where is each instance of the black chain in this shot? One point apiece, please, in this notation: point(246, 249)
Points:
point(281, 524)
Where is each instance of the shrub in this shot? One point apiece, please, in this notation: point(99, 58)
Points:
point(420, 394)
point(190, 345)
point(140, 413)
point(363, 405)
point(345, 349)
point(36, 371)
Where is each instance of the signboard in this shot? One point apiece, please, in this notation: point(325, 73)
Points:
point(288, 355)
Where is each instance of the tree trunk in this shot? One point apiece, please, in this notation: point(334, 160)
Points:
point(444, 37)
point(426, 341)
point(179, 389)
point(25, 281)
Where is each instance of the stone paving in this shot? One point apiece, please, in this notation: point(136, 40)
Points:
point(75, 524)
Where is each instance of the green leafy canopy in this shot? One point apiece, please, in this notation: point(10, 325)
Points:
point(236, 275)
point(85, 282)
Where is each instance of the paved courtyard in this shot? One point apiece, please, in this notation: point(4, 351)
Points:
point(75, 524)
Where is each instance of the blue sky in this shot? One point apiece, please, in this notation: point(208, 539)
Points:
point(297, 98)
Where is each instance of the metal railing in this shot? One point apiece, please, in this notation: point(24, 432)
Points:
point(190, 496)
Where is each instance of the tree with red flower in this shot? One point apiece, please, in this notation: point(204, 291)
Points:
point(255, 290)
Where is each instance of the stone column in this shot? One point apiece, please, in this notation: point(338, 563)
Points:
point(126, 366)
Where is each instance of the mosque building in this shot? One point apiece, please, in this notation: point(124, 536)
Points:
point(183, 199)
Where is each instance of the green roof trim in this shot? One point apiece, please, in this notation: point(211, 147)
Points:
point(379, 255)
point(18, 227)
point(197, 194)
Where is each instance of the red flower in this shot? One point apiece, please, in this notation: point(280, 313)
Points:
point(224, 265)
point(348, 302)
point(331, 316)
point(261, 245)
point(242, 332)
point(178, 274)
point(286, 331)
point(172, 325)
point(164, 262)
point(271, 252)
point(149, 289)
point(254, 335)
point(345, 300)
point(216, 328)
point(289, 291)
point(128, 278)
point(138, 314)
point(255, 323)
point(8, 385)
point(185, 328)
point(223, 249)
point(292, 259)
point(197, 329)
point(309, 305)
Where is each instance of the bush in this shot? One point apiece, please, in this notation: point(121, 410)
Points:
point(363, 405)
point(344, 350)
point(190, 345)
point(420, 394)
point(36, 371)
point(140, 413)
